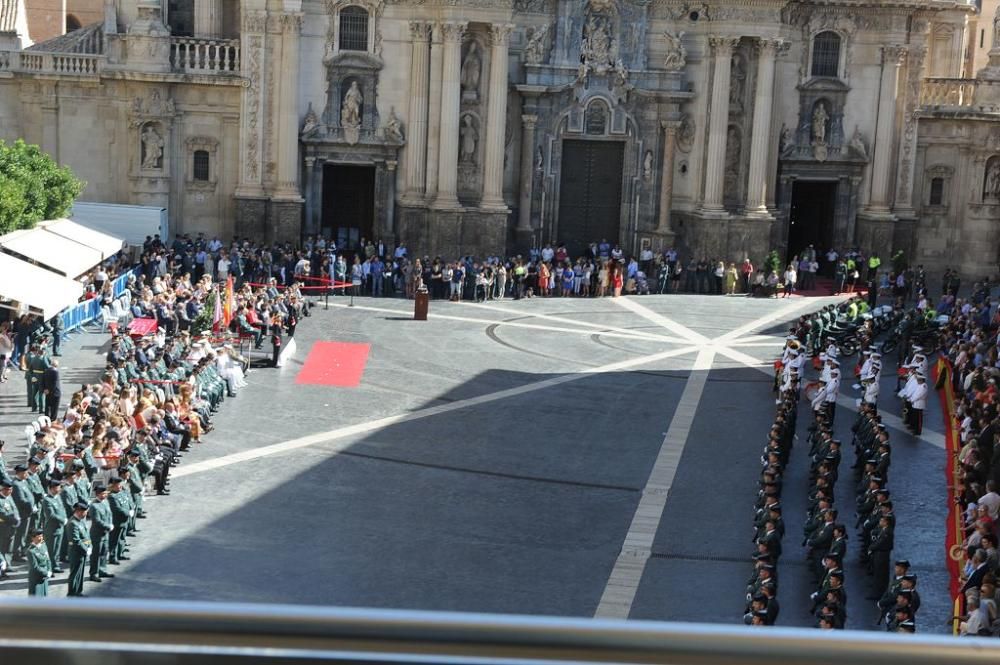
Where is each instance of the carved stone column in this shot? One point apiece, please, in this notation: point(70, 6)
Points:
point(416, 140)
point(309, 187)
point(389, 228)
point(528, 123)
point(288, 117)
point(715, 158)
point(451, 65)
point(434, 113)
point(760, 140)
point(892, 57)
point(496, 118)
point(663, 225)
point(208, 18)
point(250, 199)
point(903, 205)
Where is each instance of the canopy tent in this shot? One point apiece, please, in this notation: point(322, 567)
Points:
point(63, 246)
point(42, 290)
point(107, 245)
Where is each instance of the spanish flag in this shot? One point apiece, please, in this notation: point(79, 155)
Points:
point(228, 304)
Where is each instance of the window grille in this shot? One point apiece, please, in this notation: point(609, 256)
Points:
point(201, 165)
point(937, 191)
point(353, 29)
point(826, 54)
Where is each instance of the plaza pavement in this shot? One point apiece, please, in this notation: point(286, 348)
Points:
point(559, 456)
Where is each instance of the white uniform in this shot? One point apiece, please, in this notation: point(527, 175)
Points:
point(918, 395)
point(871, 393)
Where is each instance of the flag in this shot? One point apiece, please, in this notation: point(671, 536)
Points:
point(230, 303)
point(217, 314)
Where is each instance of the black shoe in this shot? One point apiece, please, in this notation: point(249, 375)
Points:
point(95, 578)
point(141, 516)
point(58, 570)
point(107, 574)
point(113, 563)
point(163, 493)
point(131, 533)
point(124, 558)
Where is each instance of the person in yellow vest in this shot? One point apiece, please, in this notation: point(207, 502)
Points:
point(873, 264)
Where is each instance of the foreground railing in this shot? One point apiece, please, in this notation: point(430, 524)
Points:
point(74, 64)
point(947, 92)
point(205, 56)
point(37, 631)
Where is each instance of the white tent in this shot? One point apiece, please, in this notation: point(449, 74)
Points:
point(107, 245)
point(42, 290)
point(55, 252)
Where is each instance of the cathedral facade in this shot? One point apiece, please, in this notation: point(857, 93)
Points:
point(482, 126)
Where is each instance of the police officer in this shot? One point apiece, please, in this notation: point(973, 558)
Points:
point(80, 548)
point(101, 524)
point(121, 513)
point(26, 509)
point(54, 521)
point(39, 565)
point(10, 519)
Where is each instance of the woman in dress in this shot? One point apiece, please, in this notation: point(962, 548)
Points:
point(732, 279)
point(543, 279)
point(602, 280)
point(617, 278)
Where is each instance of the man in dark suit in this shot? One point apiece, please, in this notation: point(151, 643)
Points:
point(52, 389)
point(978, 573)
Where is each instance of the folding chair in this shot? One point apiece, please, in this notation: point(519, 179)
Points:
point(44, 422)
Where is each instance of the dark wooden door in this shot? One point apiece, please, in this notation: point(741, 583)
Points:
point(590, 193)
point(348, 204)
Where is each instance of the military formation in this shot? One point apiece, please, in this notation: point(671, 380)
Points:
point(825, 531)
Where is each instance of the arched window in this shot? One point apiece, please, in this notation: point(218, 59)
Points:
point(72, 23)
point(201, 164)
point(826, 54)
point(937, 191)
point(353, 29)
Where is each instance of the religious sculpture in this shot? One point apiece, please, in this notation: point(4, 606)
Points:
point(685, 134)
point(676, 56)
point(471, 72)
point(310, 122)
point(991, 190)
point(819, 119)
point(534, 50)
point(996, 28)
point(647, 166)
point(737, 82)
point(152, 148)
point(857, 144)
point(598, 50)
point(732, 151)
point(469, 138)
point(350, 111)
point(784, 139)
point(393, 128)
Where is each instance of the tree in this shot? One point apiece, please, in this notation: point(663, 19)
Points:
point(33, 187)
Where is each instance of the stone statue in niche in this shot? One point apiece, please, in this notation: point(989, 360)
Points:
point(539, 159)
point(472, 68)
point(598, 49)
point(819, 118)
point(784, 139)
point(310, 122)
point(534, 50)
point(991, 187)
point(685, 134)
point(996, 28)
point(350, 110)
point(647, 166)
point(858, 144)
point(676, 56)
point(469, 139)
point(733, 151)
point(737, 83)
point(393, 128)
point(152, 148)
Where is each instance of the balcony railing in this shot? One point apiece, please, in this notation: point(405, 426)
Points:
point(205, 56)
point(66, 64)
point(946, 92)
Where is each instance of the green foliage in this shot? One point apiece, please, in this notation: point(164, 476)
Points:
point(203, 322)
point(899, 262)
point(33, 187)
point(773, 262)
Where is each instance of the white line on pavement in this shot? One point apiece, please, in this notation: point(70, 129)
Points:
point(364, 428)
point(623, 583)
point(657, 318)
point(776, 315)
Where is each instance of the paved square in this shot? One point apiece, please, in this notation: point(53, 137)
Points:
point(563, 456)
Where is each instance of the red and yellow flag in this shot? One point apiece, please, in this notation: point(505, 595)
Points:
point(228, 303)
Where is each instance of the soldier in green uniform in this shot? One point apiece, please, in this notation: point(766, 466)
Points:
point(125, 473)
point(121, 514)
point(29, 383)
point(36, 480)
point(54, 522)
point(4, 475)
point(69, 496)
point(26, 509)
point(101, 523)
point(39, 363)
point(10, 518)
point(80, 548)
point(39, 565)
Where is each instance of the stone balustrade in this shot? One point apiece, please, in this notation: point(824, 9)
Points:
point(66, 64)
point(938, 92)
point(205, 56)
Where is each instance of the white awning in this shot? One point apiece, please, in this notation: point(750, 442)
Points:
point(53, 251)
point(40, 289)
point(107, 245)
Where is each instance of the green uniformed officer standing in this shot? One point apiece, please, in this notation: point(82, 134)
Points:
point(39, 565)
point(54, 522)
point(26, 509)
point(121, 512)
point(9, 521)
point(101, 524)
point(29, 382)
point(80, 548)
point(69, 496)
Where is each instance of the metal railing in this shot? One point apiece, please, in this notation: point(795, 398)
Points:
point(947, 92)
point(67, 64)
point(128, 632)
point(205, 56)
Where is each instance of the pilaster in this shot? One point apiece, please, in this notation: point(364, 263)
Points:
point(496, 123)
point(878, 203)
point(416, 144)
point(447, 194)
point(722, 47)
point(760, 139)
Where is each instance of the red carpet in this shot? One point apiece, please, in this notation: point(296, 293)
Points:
point(334, 364)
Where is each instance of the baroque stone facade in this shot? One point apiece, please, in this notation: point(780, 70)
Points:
point(725, 128)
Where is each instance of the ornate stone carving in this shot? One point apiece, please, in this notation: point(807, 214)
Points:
point(153, 106)
point(500, 33)
point(532, 6)
point(252, 159)
point(786, 139)
point(469, 139)
point(472, 71)
point(858, 144)
point(647, 166)
point(393, 127)
point(350, 113)
point(310, 122)
point(420, 31)
point(737, 82)
point(686, 133)
point(734, 147)
point(991, 181)
point(676, 56)
point(534, 51)
point(723, 45)
point(819, 118)
point(291, 22)
point(254, 21)
point(453, 31)
point(893, 54)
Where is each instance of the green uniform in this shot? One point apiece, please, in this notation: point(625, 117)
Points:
point(69, 497)
point(39, 570)
point(101, 524)
point(29, 382)
point(27, 510)
point(122, 511)
point(39, 364)
point(136, 485)
point(53, 524)
point(9, 521)
point(80, 548)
